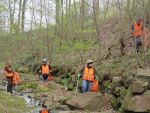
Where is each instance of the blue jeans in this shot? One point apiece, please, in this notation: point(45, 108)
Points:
point(86, 86)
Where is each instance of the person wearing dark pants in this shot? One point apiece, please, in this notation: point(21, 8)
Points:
point(45, 69)
point(8, 71)
point(137, 32)
point(45, 77)
point(10, 83)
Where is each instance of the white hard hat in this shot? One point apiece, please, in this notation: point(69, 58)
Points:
point(89, 61)
point(45, 60)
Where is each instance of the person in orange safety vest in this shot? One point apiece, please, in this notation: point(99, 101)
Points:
point(88, 75)
point(137, 31)
point(45, 70)
point(8, 72)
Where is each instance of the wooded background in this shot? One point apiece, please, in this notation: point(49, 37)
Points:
point(68, 31)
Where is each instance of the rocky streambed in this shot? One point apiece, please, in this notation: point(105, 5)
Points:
point(124, 95)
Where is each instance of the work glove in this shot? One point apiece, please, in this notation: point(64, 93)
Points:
point(78, 76)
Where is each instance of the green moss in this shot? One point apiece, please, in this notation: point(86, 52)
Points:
point(29, 85)
point(114, 102)
point(12, 104)
point(127, 98)
point(123, 92)
point(42, 89)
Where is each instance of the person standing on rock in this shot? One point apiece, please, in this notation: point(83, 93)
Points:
point(45, 69)
point(88, 75)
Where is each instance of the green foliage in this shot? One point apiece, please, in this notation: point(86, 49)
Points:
point(123, 92)
point(65, 82)
point(2, 8)
point(42, 89)
point(81, 46)
point(114, 102)
point(65, 48)
point(87, 30)
point(12, 104)
point(29, 85)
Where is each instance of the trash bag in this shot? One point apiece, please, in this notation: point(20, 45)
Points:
point(16, 79)
point(95, 86)
point(50, 77)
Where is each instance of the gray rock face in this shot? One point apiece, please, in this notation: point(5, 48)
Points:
point(88, 101)
point(138, 103)
point(138, 87)
point(116, 82)
point(143, 74)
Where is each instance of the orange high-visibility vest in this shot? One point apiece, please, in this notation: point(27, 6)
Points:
point(88, 74)
point(45, 69)
point(137, 29)
point(44, 110)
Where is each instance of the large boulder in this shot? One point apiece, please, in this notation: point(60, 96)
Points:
point(87, 101)
point(137, 103)
point(138, 87)
point(117, 82)
point(143, 74)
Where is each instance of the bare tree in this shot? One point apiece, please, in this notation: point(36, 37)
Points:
point(23, 14)
point(19, 15)
point(12, 12)
point(148, 12)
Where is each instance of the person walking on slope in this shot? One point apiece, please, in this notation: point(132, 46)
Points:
point(45, 69)
point(88, 75)
point(137, 31)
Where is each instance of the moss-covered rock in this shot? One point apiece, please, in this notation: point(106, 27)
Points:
point(114, 102)
point(137, 103)
point(123, 92)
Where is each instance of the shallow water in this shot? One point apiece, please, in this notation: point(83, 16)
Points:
point(30, 101)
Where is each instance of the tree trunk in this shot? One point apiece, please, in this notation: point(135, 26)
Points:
point(148, 12)
point(40, 34)
point(97, 31)
point(57, 6)
point(12, 13)
point(19, 16)
point(23, 14)
point(97, 9)
point(128, 9)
